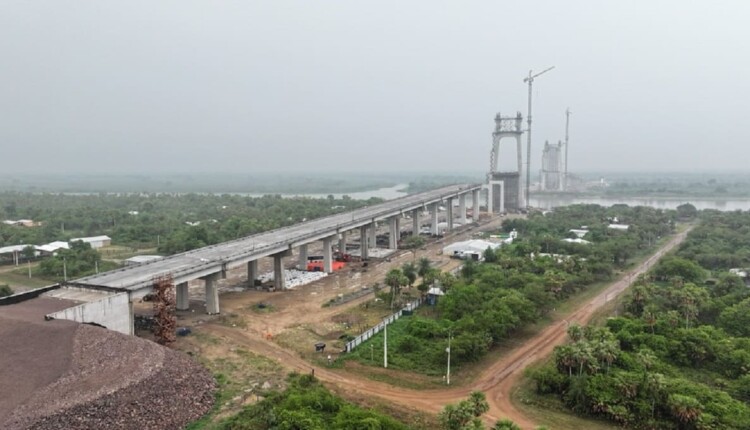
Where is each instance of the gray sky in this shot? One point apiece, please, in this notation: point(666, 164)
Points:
point(378, 86)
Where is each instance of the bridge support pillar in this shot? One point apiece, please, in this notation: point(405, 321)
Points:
point(449, 215)
point(183, 299)
point(393, 232)
point(252, 272)
point(131, 315)
point(373, 229)
point(434, 218)
point(279, 281)
point(342, 242)
point(327, 254)
point(415, 225)
point(302, 264)
point(475, 205)
point(363, 242)
point(462, 209)
point(212, 294)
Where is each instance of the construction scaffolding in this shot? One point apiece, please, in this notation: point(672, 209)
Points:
point(165, 300)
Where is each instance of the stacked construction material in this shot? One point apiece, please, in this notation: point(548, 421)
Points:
point(65, 375)
point(295, 278)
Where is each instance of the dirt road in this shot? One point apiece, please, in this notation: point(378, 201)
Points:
point(496, 381)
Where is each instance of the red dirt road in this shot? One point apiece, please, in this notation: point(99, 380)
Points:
point(497, 381)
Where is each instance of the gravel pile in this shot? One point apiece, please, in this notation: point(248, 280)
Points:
point(112, 381)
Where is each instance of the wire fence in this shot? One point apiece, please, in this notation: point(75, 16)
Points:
point(375, 330)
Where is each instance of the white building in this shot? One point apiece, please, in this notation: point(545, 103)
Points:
point(95, 241)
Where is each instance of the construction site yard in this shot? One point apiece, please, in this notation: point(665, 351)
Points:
point(242, 344)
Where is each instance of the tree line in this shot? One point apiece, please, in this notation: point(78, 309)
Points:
point(489, 302)
point(679, 356)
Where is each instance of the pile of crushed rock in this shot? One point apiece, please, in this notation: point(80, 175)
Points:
point(64, 375)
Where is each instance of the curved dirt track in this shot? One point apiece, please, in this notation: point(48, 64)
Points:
point(497, 381)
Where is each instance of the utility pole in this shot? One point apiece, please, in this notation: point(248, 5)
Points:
point(567, 124)
point(530, 81)
point(448, 350)
point(385, 346)
point(65, 269)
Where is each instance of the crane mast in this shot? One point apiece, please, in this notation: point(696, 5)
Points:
point(530, 81)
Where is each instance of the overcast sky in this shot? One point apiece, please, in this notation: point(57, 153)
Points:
point(376, 86)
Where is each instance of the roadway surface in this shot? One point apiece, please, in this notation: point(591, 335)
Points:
point(215, 258)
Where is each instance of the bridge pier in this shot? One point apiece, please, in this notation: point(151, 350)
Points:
point(279, 281)
point(393, 232)
point(415, 227)
point(475, 205)
point(462, 209)
point(449, 215)
point(342, 242)
point(183, 299)
point(373, 236)
point(363, 242)
point(434, 218)
point(212, 294)
point(302, 264)
point(252, 272)
point(327, 255)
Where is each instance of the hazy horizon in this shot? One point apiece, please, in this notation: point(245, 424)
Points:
point(377, 87)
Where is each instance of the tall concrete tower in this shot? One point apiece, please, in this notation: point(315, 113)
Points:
point(552, 176)
point(505, 189)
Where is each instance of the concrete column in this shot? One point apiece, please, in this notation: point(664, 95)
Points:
point(398, 228)
point(462, 209)
point(302, 257)
point(279, 282)
point(415, 227)
point(252, 272)
point(373, 229)
point(363, 241)
point(327, 255)
point(434, 218)
point(489, 198)
point(475, 204)
point(212, 294)
point(183, 299)
point(131, 317)
point(342, 242)
point(393, 232)
point(449, 215)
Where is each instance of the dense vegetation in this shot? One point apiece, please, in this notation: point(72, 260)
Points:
point(679, 357)
point(161, 218)
point(490, 301)
point(306, 404)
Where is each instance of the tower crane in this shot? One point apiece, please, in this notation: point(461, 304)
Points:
point(530, 81)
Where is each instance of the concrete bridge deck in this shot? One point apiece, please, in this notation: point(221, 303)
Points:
point(216, 259)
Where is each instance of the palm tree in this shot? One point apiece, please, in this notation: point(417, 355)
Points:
point(505, 424)
point(410, 271)
point(395, 279)
point(423, 266)
point(685, 408)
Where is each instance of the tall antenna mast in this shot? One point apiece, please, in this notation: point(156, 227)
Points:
point(567, 125)
point(530, 80)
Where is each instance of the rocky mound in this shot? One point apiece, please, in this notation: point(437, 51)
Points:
point(103, 380)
